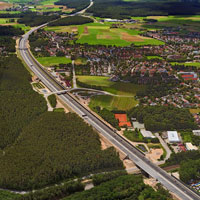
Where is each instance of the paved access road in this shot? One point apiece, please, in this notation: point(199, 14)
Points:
point(134, 154)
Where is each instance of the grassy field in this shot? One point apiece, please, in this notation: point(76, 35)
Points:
point(97, 33)
point(196, 64)
point(50, 61)
point(119, 88)
point(154, 57)
point(186, 136)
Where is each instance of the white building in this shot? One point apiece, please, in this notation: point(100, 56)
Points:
point(196, 132)
point(147, 134)
point(190, 146)
point(173, 136)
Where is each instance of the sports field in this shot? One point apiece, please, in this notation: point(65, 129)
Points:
point(97, 33)
point(50, 61)
point(126, 90)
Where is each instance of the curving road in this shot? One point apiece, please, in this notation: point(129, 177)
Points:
point(133, 153)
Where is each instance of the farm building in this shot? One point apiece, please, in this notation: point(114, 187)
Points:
point(147, 134)
point(173, 136)
point(196, 132)
point(190, 146)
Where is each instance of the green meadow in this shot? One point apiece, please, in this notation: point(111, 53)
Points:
point(102, 34)
point(50, 61)
point(126, 91)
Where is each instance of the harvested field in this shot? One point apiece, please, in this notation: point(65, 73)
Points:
point(131, 38)
point(4, 5)
point(74, 29)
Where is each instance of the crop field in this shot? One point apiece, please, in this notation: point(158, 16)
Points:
point(50, 61)
point(102, 34)
point(126, 92)
point(154, 57)
point(190, 23)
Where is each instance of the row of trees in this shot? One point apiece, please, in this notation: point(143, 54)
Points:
point(159, 118)
point(72, 20)
point(123, 187)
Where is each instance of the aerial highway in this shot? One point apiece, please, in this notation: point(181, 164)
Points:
point(172, 184)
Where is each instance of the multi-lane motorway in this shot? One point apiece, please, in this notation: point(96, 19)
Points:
point(134, 154)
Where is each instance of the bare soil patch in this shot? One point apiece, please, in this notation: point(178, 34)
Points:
point(131, 38)
point(74, 29)
point(85, 30)
point(4, 5)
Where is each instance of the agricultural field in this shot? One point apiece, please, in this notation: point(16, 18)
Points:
point(154, 57)
point(7, 21)
point(102, 34)
point(126, 91)
point(190, 23)
point(50, 61)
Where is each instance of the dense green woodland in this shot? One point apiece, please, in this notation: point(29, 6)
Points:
point(189, 165)
point(10, 31)
point(71, 20)
point(128, 187)
point(19, 104)
point(54, 147)
point(190, 170)
point(160, 118)
point(32, 19)
point(124, 9)
point(76, 4)
point(6, 195)
point(52, 100)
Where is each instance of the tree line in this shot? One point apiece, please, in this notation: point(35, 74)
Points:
point(71, 20)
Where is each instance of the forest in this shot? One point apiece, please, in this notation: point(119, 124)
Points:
point(124, 9)
point(32, 19)
point(72, 20)
point(19, 104)
point(10, 31)
point(163, 118)
point(190, 170)
point(127, 187)
point(76, 4)
point(52, 148)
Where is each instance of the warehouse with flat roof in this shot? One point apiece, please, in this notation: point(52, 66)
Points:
point(173, 136)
